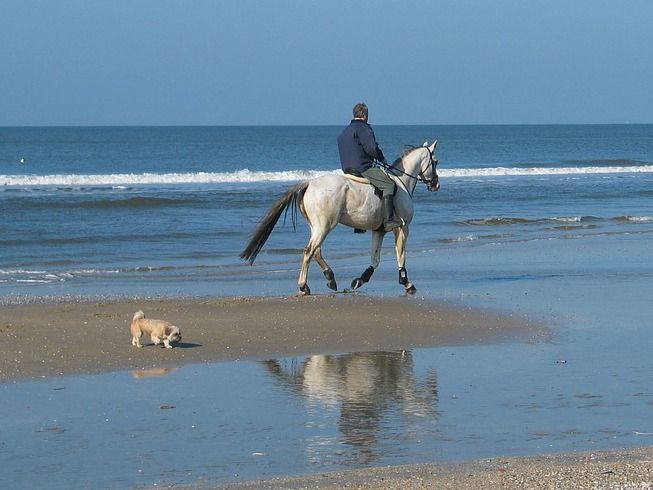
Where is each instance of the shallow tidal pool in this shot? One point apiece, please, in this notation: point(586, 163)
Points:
point(206, 424)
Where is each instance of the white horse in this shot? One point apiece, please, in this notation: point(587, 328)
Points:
point(331, 199)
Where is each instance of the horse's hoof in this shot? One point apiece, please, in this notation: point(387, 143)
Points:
point(411, 289)
point(331, 279)
point(403, 277)
point(304, 290)
point(356, 283)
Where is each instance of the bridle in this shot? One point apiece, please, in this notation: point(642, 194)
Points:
point(432, 183)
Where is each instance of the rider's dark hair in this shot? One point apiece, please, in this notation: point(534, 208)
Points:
point(360, 110)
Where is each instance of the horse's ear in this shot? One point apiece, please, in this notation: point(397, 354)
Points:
point(432, 147)
point(426, 143)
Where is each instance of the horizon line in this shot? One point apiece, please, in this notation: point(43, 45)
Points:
point(42, 126)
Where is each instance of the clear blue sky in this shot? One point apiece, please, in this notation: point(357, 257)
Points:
point(218, 62)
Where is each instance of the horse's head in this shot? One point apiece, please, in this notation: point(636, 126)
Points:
point(419, 163)
point(428, 168)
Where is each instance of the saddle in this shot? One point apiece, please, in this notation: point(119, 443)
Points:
point(358, 178)
point(355, 176)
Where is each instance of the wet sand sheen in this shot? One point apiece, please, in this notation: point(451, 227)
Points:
point(40, 340)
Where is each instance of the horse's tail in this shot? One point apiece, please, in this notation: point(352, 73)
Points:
point(289, 200)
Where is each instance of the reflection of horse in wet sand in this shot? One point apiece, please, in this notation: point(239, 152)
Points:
point(365, 387)
point(331, 199)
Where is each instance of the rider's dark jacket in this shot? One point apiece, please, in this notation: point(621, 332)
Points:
point(358, 147)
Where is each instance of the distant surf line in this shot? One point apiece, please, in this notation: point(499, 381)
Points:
point(252, 176)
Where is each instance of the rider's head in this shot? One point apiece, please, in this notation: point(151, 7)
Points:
point(360, 111)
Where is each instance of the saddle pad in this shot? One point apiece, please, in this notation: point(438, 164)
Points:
point(356, 178)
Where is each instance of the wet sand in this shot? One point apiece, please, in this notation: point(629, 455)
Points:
point(630, 469)
point(39, 340)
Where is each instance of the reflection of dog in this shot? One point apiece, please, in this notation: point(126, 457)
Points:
point(158, 330)
point(152, 372)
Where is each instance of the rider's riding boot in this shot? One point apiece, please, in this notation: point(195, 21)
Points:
point(390, 222)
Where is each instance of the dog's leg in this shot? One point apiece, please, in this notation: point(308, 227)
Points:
point(136, 341)
point(156, 340)
point(166, 342)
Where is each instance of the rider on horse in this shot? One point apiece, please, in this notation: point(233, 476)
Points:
point(358, 151)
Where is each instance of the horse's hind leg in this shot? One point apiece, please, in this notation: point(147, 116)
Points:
point(328, 272)
point(377, 242)
point(321, 207)
point(311, 250)
point(304, 290)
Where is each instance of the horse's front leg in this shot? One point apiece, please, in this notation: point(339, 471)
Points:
point(377, 242)
point(401, 237)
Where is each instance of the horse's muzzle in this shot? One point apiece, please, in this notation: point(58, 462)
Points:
point(434, 185)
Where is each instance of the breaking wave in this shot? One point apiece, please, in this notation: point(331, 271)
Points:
point(43, 276)
point(118, 180)
point(543, 171)
point(586, 221)
point(635, 219)
point(510, 220)
point(250, 176)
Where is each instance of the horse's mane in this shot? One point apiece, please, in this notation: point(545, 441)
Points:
point(408, 150)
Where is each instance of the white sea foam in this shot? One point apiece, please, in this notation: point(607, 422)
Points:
point(20, 271)
point(26, 276)
point(508, 171)
point(119, 181)
point(460, 239)
point(568, 219)
point(638, 219)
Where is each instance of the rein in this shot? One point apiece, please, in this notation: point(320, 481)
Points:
point(419, 177)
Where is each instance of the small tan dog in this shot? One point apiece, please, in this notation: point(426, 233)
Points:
point(158, 330)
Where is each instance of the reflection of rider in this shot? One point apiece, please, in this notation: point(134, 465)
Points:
point(358, 150)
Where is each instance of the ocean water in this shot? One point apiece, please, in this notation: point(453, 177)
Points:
point(167, 211)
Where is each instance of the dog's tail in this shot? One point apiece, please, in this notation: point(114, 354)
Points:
point(138, 315)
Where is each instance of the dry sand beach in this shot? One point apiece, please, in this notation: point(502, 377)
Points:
point(43, 340)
